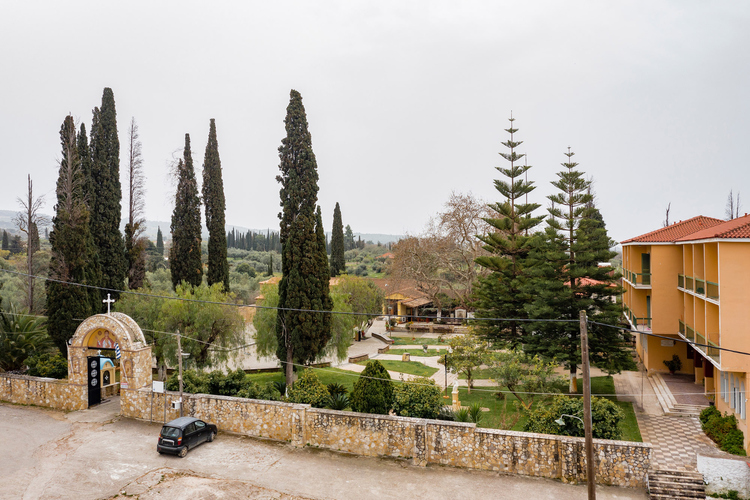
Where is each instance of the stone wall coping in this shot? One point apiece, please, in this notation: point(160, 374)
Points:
point(393, 418)
point(34, 379)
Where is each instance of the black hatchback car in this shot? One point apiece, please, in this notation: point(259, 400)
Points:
point(183, 434)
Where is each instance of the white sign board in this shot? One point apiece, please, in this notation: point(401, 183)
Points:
point(157, 386)
point(667, 343)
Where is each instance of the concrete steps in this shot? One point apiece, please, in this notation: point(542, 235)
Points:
point(675, 485)
point(667, 401)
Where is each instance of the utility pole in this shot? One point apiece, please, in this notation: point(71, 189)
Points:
point(590, 470)
point(179, 357)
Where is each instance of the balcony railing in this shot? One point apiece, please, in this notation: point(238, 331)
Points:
point(682, 327)
point(698, 286)
point(700, 339)
point(640, 324)
point(714, 352)
point(712, 290)
point(637, 278)
point(690, 334)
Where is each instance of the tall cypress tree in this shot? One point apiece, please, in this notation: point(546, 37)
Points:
point(185, 253)
point(301, 333)
point(70, 259)
point(213, 199)
point(568, 279)
point(95, 268)
point(5, 240)
point(501, 294)
point(106, 194)
point(159, 242)
point(338, 262)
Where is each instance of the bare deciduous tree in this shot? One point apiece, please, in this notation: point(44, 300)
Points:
point(442, 259)
point(732, 210)
point(666, 220)
point(135, 243)
point(29, 221)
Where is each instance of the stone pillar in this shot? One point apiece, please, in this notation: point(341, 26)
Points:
point(419, 454)
point(405, 356)
point(298, 425)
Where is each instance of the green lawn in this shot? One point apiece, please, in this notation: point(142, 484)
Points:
point(417, 341)
point(410, 367)
point(325, 375)
point(417, 352)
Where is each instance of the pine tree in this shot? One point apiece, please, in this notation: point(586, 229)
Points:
point(301, 334)
point(185, 253)
point(106, 193)
point(159, 242)
point(70, 259)
point(501, 293)
point(338, 263)
point(213, 199)
point(568, 279)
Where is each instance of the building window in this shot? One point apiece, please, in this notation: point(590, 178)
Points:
point(732, 392)
point(743, 401)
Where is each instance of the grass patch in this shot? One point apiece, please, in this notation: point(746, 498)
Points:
point(417, 352)
point(325, 375)
point(410, 367)
point(478, 374)
point(418, 341)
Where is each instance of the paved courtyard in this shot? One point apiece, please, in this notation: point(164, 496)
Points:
point(94, 454)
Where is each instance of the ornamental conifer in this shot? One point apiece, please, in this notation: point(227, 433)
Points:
point(301, 333)
point(185, 253)
point(213, 200)
point(338, 262)
point(106, 193)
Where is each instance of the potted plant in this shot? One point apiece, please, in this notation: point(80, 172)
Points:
point(674, 364)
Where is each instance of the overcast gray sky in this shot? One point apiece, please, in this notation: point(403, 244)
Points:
point(406, 101)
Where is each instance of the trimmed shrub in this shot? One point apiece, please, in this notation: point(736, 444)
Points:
point(192, 382)
point(418, 398)
point(48, 365)
point(605, 417)
point(373, 391)
point(309, 390)
point(723, 431)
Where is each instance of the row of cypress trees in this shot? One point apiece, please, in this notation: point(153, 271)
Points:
point(185, 254)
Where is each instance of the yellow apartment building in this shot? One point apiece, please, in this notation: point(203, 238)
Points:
point(691, 281)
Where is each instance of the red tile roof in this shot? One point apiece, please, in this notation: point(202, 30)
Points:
point(735, 228)
point(676, 231)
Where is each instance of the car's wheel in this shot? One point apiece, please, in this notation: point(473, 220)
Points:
point(183, 452)
point(211, 436)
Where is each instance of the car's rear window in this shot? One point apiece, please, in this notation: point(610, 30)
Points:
point(170, 432)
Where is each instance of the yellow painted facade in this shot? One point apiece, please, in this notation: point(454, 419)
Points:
point(696, 288)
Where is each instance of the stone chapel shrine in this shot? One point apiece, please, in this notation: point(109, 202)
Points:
point(107, 356)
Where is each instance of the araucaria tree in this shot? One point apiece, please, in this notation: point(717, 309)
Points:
point(568, 279)
point(502, 293)
point(302, 327)
point(135, 244)
point(70, 239)
point(185, 253)
point(338, 262)
point(105, 196)
point(213, 199)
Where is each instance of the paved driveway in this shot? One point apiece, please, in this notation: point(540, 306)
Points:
point(95, 454)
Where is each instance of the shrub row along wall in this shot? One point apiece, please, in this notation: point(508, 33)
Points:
point(619, 463)
point(39, 391)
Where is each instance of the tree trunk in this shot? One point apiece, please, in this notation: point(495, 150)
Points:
point(573, 379)
point(289, 368)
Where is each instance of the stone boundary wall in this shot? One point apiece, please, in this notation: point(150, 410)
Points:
point(40, 391)
point(619, 463)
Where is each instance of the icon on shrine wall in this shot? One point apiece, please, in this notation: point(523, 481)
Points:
point(102, 339)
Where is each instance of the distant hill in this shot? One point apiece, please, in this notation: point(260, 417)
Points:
point(6, 222)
